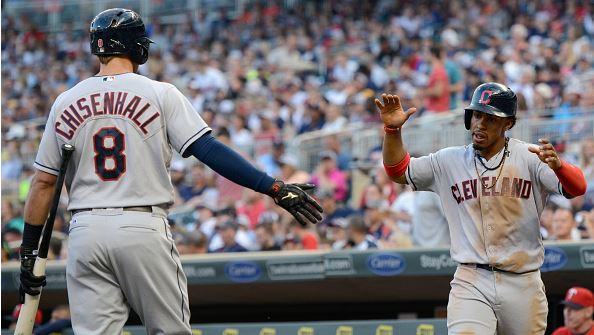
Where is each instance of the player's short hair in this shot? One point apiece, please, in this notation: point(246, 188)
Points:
point(105, 59)
point(436, 51)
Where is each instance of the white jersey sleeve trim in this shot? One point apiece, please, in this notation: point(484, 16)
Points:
point(46, 169)
point(409, 179)
point(191, 140)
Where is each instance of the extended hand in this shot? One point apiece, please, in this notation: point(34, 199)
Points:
point(546, 153)
point(391, 111)
point(292, 197)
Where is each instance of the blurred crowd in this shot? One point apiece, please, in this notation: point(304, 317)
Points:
point(270, 73)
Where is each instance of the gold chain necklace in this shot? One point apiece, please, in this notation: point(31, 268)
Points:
point(500, 166)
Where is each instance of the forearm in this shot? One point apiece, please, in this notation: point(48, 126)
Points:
point(394, 153)
point(229, 164)
point(36, 211)
point(393, 150)
point(39, 199)
point(572, 179)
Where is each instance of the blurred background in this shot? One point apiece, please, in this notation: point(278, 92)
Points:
point(290, 85)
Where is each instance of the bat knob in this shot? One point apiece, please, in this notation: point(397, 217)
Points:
point(68, 147)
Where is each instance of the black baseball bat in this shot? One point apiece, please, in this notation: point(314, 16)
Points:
point(29, 309)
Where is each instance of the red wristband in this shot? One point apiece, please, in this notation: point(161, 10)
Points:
point(398, 170)
point(572, 179)
point(390, 130)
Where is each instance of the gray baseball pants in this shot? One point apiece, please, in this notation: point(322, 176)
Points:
point(484, 302)
point(120, 259)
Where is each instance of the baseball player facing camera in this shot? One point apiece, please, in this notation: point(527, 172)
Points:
point(124, 126)
point(492, 192)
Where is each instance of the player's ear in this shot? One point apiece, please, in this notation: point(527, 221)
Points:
point(509, 124)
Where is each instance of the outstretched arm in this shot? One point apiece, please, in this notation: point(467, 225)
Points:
point(231, 165)
point(571, 177)
point(395, 155)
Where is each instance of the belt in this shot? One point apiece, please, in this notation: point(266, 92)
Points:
point(144, 209)
point(494, 269)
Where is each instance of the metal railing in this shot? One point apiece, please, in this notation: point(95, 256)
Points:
point(423, 136)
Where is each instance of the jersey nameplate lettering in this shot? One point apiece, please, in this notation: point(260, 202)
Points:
point(507, 187)
point(120, 103)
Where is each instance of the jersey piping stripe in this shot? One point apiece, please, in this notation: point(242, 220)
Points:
point(46, 167)
point(410, 178)
point(181, 293)
point(193, 138)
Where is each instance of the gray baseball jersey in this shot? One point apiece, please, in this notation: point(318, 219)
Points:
point(123, 128)
point(493, 214)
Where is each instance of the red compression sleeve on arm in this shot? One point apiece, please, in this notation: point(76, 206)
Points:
point(572, 179)
point(397, 170)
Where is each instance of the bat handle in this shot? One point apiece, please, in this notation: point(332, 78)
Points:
point(28, 311)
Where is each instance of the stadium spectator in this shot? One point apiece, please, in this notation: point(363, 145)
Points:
point(336, 233)
point(270, 162)
point(178, 179)
point(265, 237)
point(332, 209)
point(585, 222)
point(389, 189)
point(252, 207)
point(206, 220)
point(11, 216)
point(292, 242)
point(335, 121)
point(455, 79)
point(577, 312)
point(357, 235)
point(328, 176)
point(304, 236)
point(290, 171)
point(403, 209)
point(343, 158)
point(59, 321)
point(437, 93)
point(11, 242)
point(546, 220)
point(199, 183)
point(228, 231)
point(429, 225)
point(374, 214)
point(586, 161)
point(564, 227)
point(192, 242)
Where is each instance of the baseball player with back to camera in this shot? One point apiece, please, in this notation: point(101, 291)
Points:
point(124, 127)
point(492, 192)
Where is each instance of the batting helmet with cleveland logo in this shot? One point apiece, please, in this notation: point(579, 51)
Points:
point(119, 31)
point(492, 98)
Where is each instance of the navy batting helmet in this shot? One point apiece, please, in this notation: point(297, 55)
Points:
point(119, 31)
point(492, 98)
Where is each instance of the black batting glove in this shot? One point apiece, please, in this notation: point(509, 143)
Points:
point(30, 284)
point(293, 199)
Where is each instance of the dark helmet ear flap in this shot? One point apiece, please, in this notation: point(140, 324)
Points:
point(467, 118)
point(140, 51)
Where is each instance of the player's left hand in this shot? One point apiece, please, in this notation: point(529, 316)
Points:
point(292, 197)
point(30, 284)
point(546, 153)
